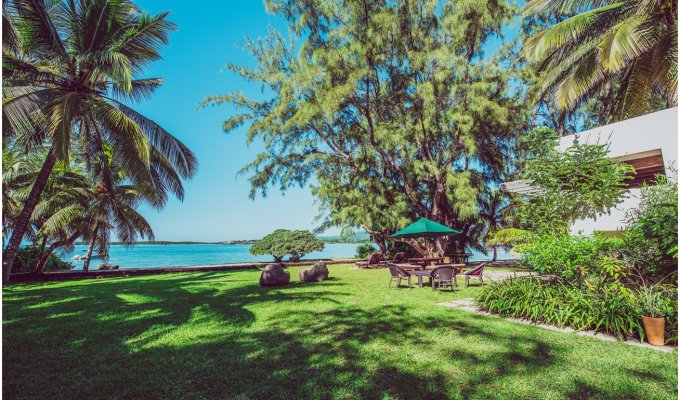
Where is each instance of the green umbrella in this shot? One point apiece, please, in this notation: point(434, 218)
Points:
point(425, 228)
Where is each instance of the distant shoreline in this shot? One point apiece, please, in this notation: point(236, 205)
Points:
point(227, 242)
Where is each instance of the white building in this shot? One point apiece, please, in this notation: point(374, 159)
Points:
point(649, 143)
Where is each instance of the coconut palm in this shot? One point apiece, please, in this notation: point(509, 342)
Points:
point(70, 69)
point(628, 46)
point(494, 207)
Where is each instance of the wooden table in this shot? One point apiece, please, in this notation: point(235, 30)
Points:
point(425, 260)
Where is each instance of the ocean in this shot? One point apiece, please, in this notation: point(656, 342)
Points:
point(184, 255)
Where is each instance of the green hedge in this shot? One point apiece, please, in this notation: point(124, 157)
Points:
point(613, 310)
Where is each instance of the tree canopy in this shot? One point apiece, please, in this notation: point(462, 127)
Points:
point(283, 241)
point(625, 51)
point(391, 110)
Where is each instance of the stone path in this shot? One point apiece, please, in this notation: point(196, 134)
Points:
point(468, 304)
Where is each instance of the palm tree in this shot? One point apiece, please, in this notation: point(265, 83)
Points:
point(493, 211)
point(628, 47)
point(70, 69)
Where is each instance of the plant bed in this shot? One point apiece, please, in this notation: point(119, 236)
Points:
point(613, 310)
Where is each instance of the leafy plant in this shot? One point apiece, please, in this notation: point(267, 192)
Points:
point(577, 183)
point(613, 310)
point(284, 241)
point(568, 256)
point(657, 214)
point(364, 250)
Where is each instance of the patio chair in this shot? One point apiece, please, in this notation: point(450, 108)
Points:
point(476, 272)
point(374, 260)
point(444, 276)
point(397, 274)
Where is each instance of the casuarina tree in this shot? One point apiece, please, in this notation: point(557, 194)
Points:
point(390, 109)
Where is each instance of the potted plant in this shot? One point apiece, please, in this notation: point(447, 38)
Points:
point(653, 314)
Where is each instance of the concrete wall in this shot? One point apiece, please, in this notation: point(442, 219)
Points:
point(656, 131)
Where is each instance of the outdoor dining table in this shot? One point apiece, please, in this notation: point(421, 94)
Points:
point(427, 272)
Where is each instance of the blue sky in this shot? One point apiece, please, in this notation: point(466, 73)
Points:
point(216, 205)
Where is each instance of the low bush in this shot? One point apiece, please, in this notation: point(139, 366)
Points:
point(567, 256)
point(364, 250)
point(614, 309)
point(28, 257)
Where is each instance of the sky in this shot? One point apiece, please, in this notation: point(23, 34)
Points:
point(216, 205)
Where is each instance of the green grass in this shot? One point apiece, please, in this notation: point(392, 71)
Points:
point(219, 335)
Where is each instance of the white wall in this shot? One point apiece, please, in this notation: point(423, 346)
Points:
point(654, 131)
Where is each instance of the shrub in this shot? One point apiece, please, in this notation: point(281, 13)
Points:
point(28, 257)
point(364, 250)
point(568, 256)
point(284, 241)
point(656, 217)
point(576, 183)
point(613, 310)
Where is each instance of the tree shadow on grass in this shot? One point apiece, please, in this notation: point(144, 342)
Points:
point(219, 335)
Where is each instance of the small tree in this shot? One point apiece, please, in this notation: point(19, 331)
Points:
point(577, 183)
point(272, 244)
point(300, 243)
point(284, 241)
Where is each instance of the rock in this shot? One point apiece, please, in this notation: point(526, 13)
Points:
point(274, 275)
point(318, 273)
point(106, 267)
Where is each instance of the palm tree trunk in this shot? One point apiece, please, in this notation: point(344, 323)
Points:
point(21, 224)
point(90, 247)
point(494, 254)
point(40, 268)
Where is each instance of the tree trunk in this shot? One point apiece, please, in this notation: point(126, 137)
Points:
point(21, 224)
point(494, 254)
point(43, 260)
point(90, 247)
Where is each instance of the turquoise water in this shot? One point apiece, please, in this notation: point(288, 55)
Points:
point(176, 255)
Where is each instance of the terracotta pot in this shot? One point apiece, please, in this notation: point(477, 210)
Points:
point(654, 330)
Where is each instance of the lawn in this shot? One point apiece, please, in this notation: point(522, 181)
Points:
point(219, 335)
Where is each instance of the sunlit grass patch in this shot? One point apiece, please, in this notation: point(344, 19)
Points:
point(219, 335)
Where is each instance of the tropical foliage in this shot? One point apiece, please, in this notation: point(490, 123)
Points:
point(656, 217)
point(391, 109)
point(563, 304)
point(625, 51)
point(283, 241)
point(569, 184)
point(33, 255)
point(568, 256)
point(70, 70)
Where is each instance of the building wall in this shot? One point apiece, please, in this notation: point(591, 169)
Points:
point(656, 131)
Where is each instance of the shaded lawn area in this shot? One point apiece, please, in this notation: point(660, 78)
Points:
point(219, 335)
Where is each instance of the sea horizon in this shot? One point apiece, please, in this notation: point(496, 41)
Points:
point(191, 255)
